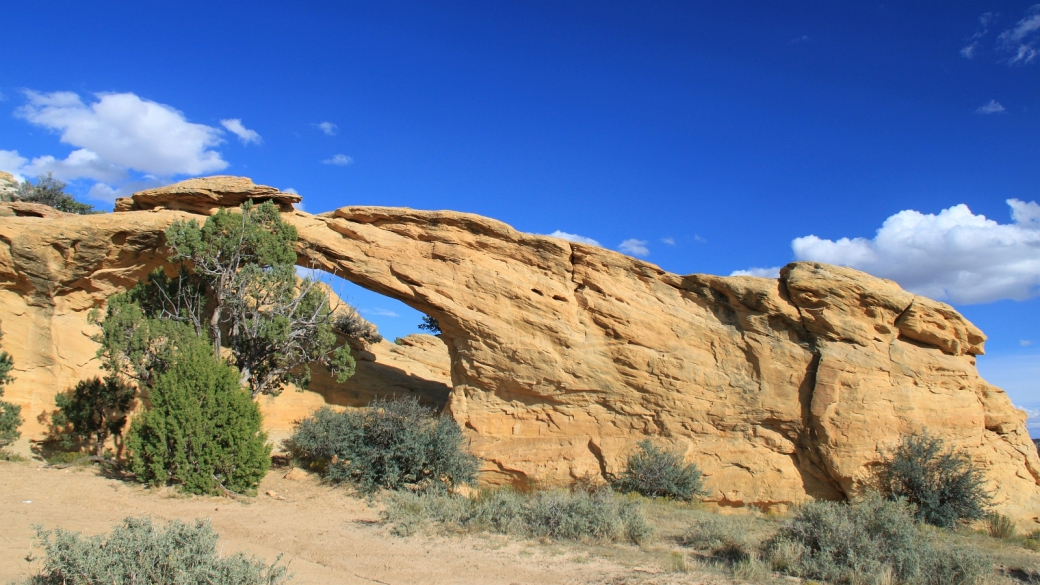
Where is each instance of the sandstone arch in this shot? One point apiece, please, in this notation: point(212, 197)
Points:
point(563, 355)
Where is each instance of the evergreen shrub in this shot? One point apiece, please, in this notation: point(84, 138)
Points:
point(202, 430)
point(943, 485)
point(139, 551)
point(390, 444)
point(10, 414)
point(94, 409)
point(655, 472)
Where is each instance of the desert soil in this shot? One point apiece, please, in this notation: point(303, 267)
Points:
point(325, 534)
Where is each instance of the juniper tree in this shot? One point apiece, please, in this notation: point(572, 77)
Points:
point(50, 191)
point(277, 323)
point(10, 414)
point(95, 408)
point(202, 430)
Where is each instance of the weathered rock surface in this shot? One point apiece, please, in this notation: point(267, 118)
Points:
point(8, 186)
point(564, 355)
point(206, 195)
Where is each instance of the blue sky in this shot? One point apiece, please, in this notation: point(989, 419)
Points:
point(711, 137)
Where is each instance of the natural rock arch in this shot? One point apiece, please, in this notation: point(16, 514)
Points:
point(563, 355)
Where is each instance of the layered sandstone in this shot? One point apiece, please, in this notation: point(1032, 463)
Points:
point(564, 355)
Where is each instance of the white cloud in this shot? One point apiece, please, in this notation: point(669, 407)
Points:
point(699, 239)
point(773, 272)
point(1022, 41)
point(955, 255)
point(341, 160)
point(127, 132)
point(328, 128)
point(290, 190)
point(993, 107)
point(574, 238)
point(379, 312)
point(669, 240)
point(247, 136)
point(969, 51)
point(105, 192)
point(1025, 342)
point(634, 247)
point(12, 162)
point(80, 164)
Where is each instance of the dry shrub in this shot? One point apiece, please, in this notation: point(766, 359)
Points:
point(600, 515)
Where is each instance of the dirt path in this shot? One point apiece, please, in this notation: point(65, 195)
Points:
point(325, 535)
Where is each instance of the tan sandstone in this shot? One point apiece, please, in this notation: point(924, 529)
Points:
point(564, 355)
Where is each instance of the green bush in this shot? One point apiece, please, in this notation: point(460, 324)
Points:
point(51, 192)
point(941, 483)
point(95, 409)
point(872, 541)
point(390, 444)
point(202, 431)
point(600, 515)
point(10, 414)
point(654, 472)
point(142, 552)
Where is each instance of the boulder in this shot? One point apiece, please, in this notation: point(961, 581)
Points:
point(562, 356)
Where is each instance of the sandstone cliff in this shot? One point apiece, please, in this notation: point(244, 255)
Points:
point(563, 355)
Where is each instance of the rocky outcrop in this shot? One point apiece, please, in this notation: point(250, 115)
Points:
point(8, 186)
point(205, 196)
point(564, 355)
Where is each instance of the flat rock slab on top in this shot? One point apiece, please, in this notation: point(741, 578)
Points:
point(206, 195)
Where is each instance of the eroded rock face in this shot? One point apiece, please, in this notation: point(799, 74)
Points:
point(564, 355)
point(206, 195)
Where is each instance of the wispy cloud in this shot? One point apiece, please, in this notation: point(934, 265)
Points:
point(574, 238)
point(340, 160)
point(699, 239)
point(1025, 342)
point(328, 128)
point(993, 107)
point(1022, 41)
point(379, 312)
point(669, 240)
point(634, 247)
point(969, 51)
point(247, 136)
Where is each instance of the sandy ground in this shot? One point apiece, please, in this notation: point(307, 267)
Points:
point(326, 535)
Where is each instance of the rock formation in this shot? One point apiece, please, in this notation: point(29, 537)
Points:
point(564, 355)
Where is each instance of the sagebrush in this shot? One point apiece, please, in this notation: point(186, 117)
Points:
point(390, 444)
point(598, 515)
point(943, 484)
point(874, 541)
point(139, 551)
point(656, 472)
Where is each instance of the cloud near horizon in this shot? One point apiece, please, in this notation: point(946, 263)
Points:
point(574, 238)
point(634, 247)
point(116, 135)
point(954, 255)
